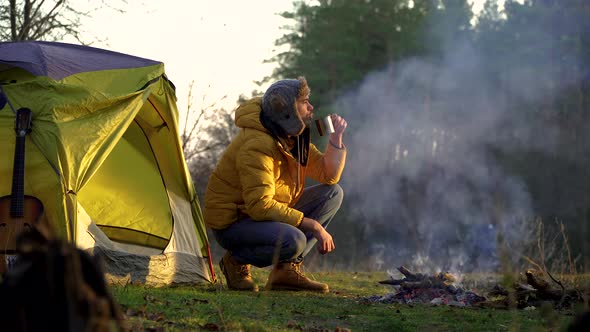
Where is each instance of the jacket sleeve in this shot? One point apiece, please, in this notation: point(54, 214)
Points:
point(255, 165)
point(326, 167)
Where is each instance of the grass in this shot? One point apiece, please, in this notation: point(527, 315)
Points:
point(214, 308)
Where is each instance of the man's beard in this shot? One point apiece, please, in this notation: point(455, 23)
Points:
point(308, 120)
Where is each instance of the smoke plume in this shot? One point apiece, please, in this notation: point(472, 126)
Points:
point(424, 174)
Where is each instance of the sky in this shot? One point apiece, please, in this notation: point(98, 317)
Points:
point(219, 44)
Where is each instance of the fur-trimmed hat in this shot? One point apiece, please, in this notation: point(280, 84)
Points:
point(279, 107)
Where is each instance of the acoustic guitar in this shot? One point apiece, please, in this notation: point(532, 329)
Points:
point(18, 212)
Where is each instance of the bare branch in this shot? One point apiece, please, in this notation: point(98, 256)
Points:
point(43, 20)
point(193, 153)
point(571, 264)
point(188, 112)
point(38, 9)
point(541, 248)
point(530, 260)
point(49, 22)
point(188, 136)
point(26, 20)
point(189, 133)
point(13, 19)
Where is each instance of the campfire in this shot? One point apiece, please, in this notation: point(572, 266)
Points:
point(419, 288)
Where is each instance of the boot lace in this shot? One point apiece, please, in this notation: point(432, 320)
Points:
point(297, 270)
point(244, 270)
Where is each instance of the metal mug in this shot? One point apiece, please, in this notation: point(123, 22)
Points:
point(324, 125)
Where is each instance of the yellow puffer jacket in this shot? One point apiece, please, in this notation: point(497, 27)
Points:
point(257, 177)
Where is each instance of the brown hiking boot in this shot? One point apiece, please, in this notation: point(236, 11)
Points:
point(237, 276)
point(288, 276)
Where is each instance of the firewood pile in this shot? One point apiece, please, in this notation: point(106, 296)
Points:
point(534, 290)
point(419, 288)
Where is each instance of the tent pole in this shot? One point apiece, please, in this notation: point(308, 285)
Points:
point(211, 264)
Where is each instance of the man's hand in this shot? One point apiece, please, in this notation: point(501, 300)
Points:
point(339, 126)
point(325, 241)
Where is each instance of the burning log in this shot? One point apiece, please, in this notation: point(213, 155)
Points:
point(410, 275)
point(419, 280)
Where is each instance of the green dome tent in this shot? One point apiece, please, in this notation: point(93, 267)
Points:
point(105, 159)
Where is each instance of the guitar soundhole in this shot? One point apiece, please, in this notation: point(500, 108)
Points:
point(3, 224)
point(27, 227)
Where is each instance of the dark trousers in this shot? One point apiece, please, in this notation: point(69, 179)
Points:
point(262, 243)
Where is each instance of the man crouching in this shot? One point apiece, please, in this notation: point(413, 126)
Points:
point(256, 203)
